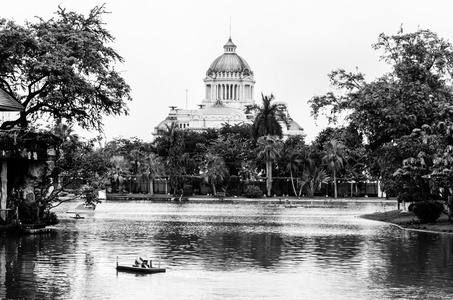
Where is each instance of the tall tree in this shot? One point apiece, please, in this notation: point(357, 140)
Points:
point(334, 160)
point(73, 158)
point(267, 118)
point(170, 146)
point(269, 149)
point(152, 168)
point(234, 146)
point(214, 170)
point(294, 159)
point(413, 94)
point(62, 69)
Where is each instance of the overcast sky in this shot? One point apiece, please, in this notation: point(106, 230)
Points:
point(291, 46)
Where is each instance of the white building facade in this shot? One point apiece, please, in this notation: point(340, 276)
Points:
point(229, 90)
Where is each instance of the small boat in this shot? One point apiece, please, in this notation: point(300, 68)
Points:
point(140, 269)
point(77, 216)
point(82, 209)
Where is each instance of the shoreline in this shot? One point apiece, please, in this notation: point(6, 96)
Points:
point(229, 199)
point(408, 221)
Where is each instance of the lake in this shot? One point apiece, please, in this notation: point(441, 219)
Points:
point(227, 251)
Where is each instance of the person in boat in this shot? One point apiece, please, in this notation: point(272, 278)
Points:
point(140, 262)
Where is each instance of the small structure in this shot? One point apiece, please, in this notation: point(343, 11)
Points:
point(25, 156)
point(7, 103)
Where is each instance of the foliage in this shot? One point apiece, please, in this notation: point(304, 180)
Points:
point(134, 151)
point(75, 158)
point(51, 219)
point(334, 160)
point(386, 111)
point(269, 148)
point(398, 102)
point(38, 186)
point(214, 170)
point(132, 158)
point(427, 212)
point(267, 118)
point(62, 69)
point(196, 144)
point(295, 158)
point(312, 179)
point(170, 146)
point(253, 191)
point(234, 146)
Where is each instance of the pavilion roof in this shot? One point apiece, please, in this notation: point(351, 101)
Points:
point(7, 103)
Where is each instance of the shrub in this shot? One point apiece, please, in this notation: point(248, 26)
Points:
point(51, 219)
point(427, 212)
point(253, 191)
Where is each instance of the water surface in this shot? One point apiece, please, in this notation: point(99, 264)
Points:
point(227, 251)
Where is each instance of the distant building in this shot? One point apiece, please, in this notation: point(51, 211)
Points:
point(229, 91)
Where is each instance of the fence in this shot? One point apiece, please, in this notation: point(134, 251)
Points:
point(281, 186)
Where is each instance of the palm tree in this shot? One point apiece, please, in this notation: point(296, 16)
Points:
point(170, 145)
point(293, 165)
point(119, 171)
point(152, 168)
point(334, 159)
point(267, 118)
point(313, 177)
point(269, 148)
point(299, 160)
point(214, 170)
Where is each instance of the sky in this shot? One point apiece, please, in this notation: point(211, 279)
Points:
point(291, 46)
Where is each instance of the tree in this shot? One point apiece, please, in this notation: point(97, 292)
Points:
point(170, 146)
point(415, 93)
point(334, 159)
point(313, 178)
point(214, 170)
point(295, 158)
point(292, 165)
point(152, 168)
point(426, 176)
point(130, 158)
point(73, 159)
point(267, 118)
point(234, 146)
point(269, 149)
point(62, 69)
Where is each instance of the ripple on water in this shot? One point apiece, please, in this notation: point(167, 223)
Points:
point(220, 251)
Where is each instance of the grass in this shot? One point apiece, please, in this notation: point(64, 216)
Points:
point(408, 220)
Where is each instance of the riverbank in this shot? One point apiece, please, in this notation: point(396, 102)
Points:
point(264, 200)
point(408, 220)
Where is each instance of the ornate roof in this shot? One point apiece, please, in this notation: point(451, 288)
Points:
point(229, 61)
point(221, 109)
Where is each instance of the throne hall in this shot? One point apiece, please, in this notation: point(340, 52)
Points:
point(229, 91)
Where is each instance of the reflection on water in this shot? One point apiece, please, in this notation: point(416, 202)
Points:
point(227, 251)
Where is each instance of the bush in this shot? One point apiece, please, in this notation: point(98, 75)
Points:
point(253, 191)
point(51, 219)
point(427, 212)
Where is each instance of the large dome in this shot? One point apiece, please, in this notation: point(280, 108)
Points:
point(229, 61)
